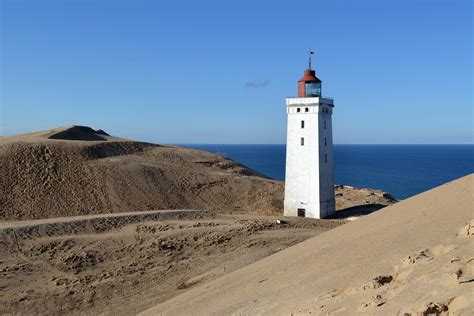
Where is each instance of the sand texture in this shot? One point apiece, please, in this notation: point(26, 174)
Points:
point(76, 170)
point(121, 264)
point(53, 174)
point(80, 234)
point(413, 258)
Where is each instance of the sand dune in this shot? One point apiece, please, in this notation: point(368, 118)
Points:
point(78, 233)
point(76, 170)
point(416, 256)
point(121, 264)
point(69, 171)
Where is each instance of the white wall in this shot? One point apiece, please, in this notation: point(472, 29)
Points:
point(326, 169)
point(309, 180)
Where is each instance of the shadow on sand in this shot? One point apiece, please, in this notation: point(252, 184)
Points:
point(358, 210)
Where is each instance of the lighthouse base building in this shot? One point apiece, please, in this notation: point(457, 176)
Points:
point(309, 179)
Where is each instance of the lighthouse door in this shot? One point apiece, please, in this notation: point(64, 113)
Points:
point(301, 212)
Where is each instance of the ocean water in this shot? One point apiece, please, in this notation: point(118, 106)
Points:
point(401, 170)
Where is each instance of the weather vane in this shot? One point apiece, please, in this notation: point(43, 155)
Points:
point(310, 52)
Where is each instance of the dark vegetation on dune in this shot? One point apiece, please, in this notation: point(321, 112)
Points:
point(80, 133)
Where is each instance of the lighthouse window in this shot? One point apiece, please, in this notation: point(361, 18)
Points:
point(313, 89)
point(324, 124)
point(306, 109)
point(302, 124)
point(325, 158)
point(302, 141)
point(325, 142)
point(298, 110)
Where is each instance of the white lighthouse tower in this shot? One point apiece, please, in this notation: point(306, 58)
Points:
point(309, 179)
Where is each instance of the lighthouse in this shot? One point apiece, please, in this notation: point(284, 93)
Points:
point(309, 178)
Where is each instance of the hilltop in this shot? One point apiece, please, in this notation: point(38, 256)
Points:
point(76, 170)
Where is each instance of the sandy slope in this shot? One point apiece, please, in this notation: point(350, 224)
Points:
point(75, 170)
point(120, 264)
point(62, 252)
point(414, 256)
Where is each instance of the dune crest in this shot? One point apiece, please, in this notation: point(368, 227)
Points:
point(76, 132)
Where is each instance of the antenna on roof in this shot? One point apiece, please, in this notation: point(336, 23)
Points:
point(310, 52)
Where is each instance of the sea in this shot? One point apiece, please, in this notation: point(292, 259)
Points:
point(401, 170)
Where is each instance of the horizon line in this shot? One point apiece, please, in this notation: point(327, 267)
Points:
point(345, 144)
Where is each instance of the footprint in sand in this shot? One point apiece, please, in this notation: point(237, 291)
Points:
point(459, 303)
point(407, 266)
point(467, 230)
point(424, 255)
point(464, 268)
point(458, 271)
point(447, 307)
point(466, 273)
point(376, 301)
point(377, 282)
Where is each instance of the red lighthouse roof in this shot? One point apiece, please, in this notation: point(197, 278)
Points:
point(309, 76)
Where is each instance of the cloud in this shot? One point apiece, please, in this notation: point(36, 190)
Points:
point(256, 83)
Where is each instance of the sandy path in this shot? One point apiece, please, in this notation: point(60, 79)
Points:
point(90, 223)
point(161, 214)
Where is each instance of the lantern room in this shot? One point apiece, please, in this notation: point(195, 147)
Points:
point(309, 85)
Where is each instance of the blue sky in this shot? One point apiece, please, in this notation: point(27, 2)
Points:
point(218, 71)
